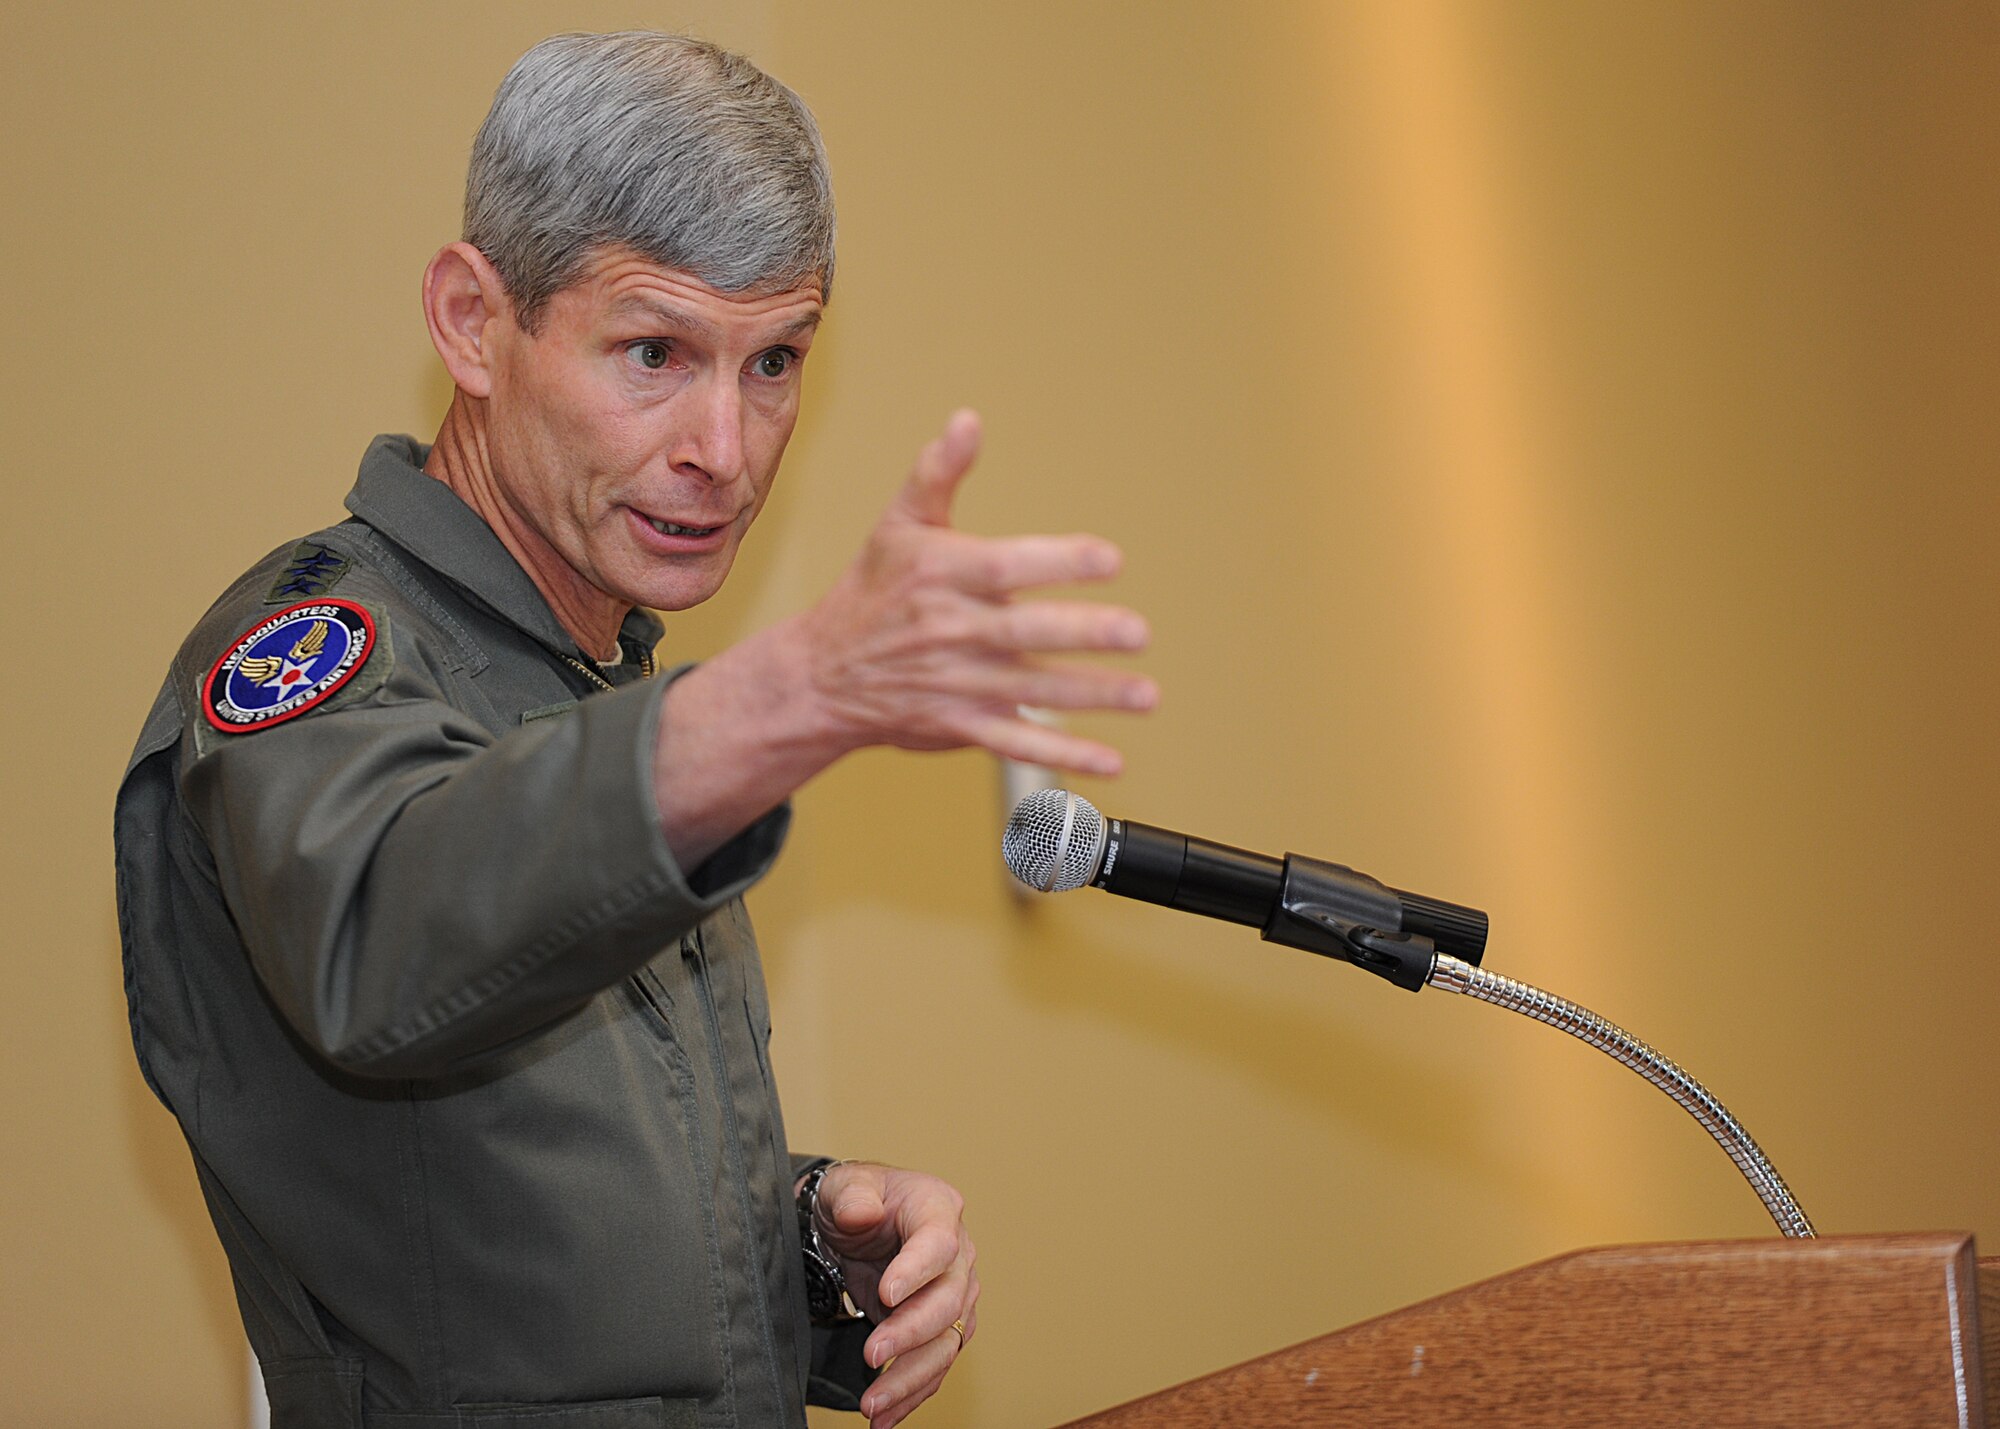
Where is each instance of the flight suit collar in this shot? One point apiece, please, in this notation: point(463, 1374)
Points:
point(426, 518)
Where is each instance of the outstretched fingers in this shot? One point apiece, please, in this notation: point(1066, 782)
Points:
point(1006, 681)
point(1044, 626)
point(923, 644)
point(1012, 737)
point(1001, 565)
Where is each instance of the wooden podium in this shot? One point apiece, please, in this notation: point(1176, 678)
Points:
point(1845, 1332)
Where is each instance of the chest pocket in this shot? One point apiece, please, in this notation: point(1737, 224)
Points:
point(654, 996)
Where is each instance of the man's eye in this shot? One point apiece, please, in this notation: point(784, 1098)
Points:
point(775, 363)
point(650, 354)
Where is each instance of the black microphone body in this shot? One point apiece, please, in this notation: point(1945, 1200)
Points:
point(1306, 903)
point(1160, 866)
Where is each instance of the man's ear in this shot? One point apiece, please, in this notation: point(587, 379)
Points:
point(463, 298)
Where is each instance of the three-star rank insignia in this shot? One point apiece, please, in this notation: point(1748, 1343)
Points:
point(288, 663)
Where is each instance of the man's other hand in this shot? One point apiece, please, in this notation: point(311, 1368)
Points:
point(903, 1247)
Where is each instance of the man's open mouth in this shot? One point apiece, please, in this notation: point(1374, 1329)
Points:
point(674, 528)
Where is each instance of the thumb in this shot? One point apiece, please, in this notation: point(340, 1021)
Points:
point(926, 497)
point(858, 1208)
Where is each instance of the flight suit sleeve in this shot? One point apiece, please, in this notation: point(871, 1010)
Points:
point(415, 892)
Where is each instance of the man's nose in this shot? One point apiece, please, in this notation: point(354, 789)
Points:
point(710, 442)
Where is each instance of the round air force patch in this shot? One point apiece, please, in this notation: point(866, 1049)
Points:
point(287, 664)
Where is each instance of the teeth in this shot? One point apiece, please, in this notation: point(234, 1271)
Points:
point(669, 528)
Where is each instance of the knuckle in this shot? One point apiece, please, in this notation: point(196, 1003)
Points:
point(992, 565)
point(926, 601)
point(1055, 691)
point(938, 614)
point(946, 626)
point(895, 548)
point(928, 565)
point(1009, 626)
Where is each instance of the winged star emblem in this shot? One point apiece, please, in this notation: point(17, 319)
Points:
point(285, 670)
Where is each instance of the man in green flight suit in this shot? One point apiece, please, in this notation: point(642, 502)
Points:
point(431, 897)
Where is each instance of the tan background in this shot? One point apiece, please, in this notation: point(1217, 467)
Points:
point(1555, 445)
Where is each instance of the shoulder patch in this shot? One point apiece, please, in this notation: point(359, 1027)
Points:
point(286, 664)
point(312, 572)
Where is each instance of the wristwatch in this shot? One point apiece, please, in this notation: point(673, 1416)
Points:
point(826, 1287)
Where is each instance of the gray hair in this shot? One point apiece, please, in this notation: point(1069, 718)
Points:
point(668, 145)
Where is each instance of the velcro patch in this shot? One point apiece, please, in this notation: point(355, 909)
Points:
point(286, 664)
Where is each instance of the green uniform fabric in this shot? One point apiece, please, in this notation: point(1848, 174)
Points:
point(476, 1078)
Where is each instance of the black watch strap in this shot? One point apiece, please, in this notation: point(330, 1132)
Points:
point(826, 1287)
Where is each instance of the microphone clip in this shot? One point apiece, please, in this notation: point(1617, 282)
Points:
point(1329, 909)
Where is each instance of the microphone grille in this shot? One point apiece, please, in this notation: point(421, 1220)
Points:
point(1054, 840)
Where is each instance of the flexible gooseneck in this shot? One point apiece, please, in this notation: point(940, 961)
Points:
point(1455, 975)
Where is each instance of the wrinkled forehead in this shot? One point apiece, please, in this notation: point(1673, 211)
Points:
point(621, 286)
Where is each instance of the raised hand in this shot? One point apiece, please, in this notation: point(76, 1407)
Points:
point(922, 645)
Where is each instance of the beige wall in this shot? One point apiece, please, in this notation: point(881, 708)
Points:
point(1554, 445)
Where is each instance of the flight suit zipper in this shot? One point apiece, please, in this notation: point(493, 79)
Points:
point(596, 677)
point(660, 1003)
point(697, 953)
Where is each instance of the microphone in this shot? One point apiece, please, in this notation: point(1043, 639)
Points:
point(1056, 841)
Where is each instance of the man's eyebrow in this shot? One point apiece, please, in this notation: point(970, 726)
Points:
point(808, 323)
point(693, 324)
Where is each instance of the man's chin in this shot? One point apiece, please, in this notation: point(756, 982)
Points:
point(680, 589)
